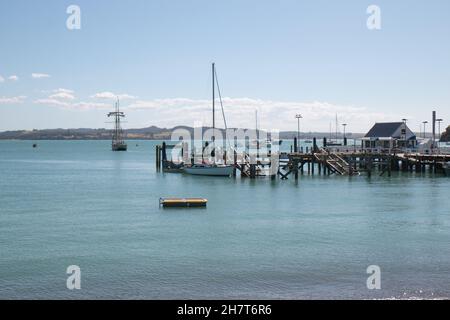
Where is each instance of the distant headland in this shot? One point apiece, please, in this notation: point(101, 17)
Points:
point(148, 133)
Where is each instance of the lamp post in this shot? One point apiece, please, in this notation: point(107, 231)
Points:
point(439, 132)
point(424, 128)
point(298, 117)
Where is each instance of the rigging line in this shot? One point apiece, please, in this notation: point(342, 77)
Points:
point(221, 106)
point(220, 99)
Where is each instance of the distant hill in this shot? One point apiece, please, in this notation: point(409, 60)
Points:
point(148, 133)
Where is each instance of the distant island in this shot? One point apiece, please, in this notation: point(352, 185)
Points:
point(149, 133)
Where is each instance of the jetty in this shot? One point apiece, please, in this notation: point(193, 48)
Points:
point(349, 161)
point(386, 148)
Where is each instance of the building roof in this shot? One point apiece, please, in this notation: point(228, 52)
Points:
point(385, 129)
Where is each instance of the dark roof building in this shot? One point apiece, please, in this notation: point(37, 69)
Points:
point(389, 135)
point(391, 130)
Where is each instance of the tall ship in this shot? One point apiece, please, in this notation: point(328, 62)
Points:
point(118, 144)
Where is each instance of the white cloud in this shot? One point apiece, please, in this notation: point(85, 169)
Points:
point(2, 79)
point(112, 96)
point(240, 112)
point(12, 100)
point(62, 95)
point(63, 90)
point(39, 75)
point(13, 78)
point(72, 105)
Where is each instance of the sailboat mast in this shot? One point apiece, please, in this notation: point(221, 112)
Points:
point(256, 119)
point(117, 121)
point(336, 128)
point(213, 97)
point(116, 125)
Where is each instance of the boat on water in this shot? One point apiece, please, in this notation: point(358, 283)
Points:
point(218, 170)
point(118, 143)
point(212, 169)
point(261, 143)
point(335, 142)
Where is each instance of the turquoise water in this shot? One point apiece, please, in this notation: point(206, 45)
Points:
point(77, 203)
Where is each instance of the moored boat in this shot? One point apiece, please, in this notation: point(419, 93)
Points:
point(218, 170)
point(118, 143)
point(209, 170)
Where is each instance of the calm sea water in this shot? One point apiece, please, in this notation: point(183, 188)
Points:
point(77, 203)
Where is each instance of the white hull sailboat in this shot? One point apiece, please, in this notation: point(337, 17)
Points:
point(218, 170)
point(209, 170)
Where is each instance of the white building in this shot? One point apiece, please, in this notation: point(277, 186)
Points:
point(389, 136)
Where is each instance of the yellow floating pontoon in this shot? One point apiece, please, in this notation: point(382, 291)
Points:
point(182, 202)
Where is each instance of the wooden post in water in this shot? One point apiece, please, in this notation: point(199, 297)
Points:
point(389, 168)
point(243, 165)
point(234, 162)
point(295, 145)
point(164, 155)
point(369, 166)
point(158, 159)
point(252, 167)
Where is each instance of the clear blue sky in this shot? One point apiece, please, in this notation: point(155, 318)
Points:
point(281, 57)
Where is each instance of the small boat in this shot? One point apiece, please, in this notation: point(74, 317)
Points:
point(182, 202)
point(333, 144)
point(217, 170)
point(308, 141)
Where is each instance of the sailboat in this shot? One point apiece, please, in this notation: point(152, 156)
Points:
point(261, 143)
point(118, 144)
point(332, 143)
point(213, 169)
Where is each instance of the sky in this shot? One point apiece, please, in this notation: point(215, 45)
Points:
point(316, 58)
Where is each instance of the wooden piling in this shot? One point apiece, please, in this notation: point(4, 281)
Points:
point(158, 157)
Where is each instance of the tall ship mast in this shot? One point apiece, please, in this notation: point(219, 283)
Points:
point(118, 144)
